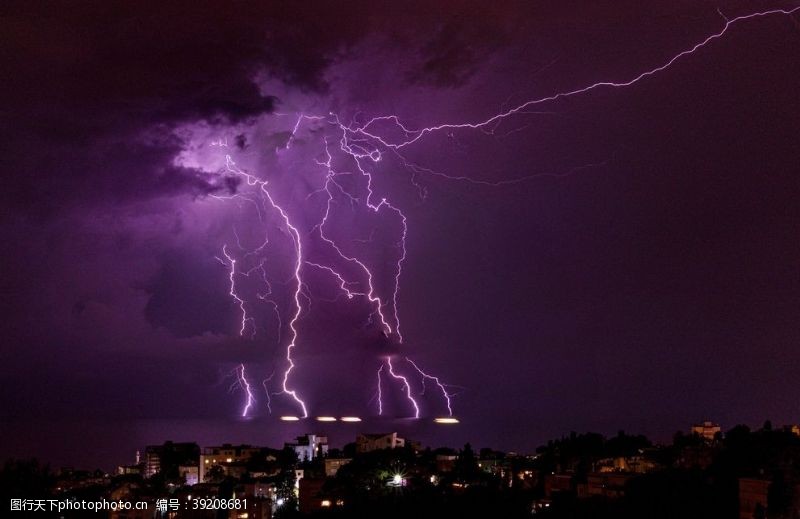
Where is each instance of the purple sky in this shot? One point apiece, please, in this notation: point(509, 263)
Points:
point(642, 275)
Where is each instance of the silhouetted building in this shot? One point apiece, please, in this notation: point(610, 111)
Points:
point(190, 474)
point(446, 462)
point(310, 495)
point(374, 442)
point(554, 483)
point(126, 470)
point(309, 446)
point(633, 464)
point(706, 430)
point(752, 497)
point(332, 465)
point(696, 456)
point(231, 458)
point(168, 457)
point(135, 468)
point(610, 485)
point(152, 460)
point(261, 499)
point(498, 464)
point(259, 490)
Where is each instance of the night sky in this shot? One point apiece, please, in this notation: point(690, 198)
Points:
point(626, 258)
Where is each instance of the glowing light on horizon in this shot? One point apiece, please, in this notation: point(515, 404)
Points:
point(447, 420)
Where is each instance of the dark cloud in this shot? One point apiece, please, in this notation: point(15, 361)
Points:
point(241, 141)
point(188, 297)
point(456, 49)
point(87, 80)
point(55, 174)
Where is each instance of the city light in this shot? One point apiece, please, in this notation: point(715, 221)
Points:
point(290, 418)
point(351, 419)
point(397, 480)
point(326, 419)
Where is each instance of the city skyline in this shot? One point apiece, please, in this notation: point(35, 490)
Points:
point(744, 472)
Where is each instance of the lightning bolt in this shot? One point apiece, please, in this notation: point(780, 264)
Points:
point(230, 262)
point(267, 391)
point(246, 386)
point(442, 387)
point(240, 382)
point(342, 282)
point(329, 183)
point(298, 265)
point(406, 386)
point(413, 136)
point(380, 392)
point(364, 146)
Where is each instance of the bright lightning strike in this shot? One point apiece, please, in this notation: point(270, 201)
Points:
point(298, 264)
point(413, 136)
point(241, 382)
point(380, 392)
point(442, 387)
point(363, 146)
point(406, 386)
point(230, 262)
point(267, 391)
